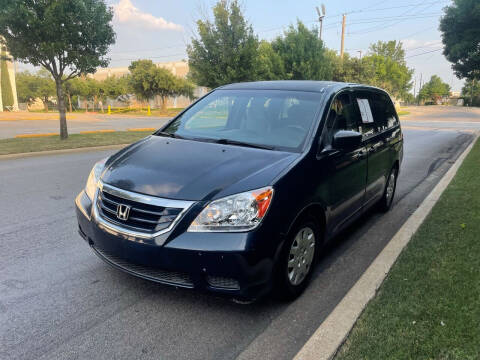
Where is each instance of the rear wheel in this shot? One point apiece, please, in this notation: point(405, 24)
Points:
point(298, 258)
point(389, 192)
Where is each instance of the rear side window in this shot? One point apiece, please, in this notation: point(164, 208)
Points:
point(383, 111)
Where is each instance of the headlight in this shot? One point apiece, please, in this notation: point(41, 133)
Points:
point(93, 178)
point(239, 212)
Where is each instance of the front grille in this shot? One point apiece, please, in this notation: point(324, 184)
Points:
point(147, 272)
point(223, 282)
point(142, 217)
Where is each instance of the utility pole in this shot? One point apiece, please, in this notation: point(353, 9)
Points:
point(414, 88)
point(420, 88)
point(321, 15)
point(343, 36)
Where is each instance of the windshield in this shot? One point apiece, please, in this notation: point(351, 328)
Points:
point(267, 118)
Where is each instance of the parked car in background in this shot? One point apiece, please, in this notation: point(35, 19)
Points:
point(239, 193)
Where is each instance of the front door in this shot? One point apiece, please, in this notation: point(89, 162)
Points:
point(346, 170)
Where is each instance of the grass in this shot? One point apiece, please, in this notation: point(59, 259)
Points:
point(403, 113)
point(24, 145)
point(170, 112)
point(429, 305)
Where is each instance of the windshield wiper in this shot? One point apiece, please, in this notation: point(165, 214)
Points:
point(172, 135)
point(241, 143)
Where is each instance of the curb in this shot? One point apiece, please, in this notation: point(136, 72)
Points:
point(61, 151)
point(330, 335)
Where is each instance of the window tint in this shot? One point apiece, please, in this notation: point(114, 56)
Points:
point(342, 116)
point(383, 112)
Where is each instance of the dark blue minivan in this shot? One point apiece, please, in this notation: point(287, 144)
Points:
point(239, 193)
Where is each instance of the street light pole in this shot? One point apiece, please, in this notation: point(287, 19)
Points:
point(321, 15)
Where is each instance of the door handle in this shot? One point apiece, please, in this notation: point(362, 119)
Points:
point(359, 155)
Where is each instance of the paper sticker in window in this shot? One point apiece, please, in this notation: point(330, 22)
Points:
point(365, 111)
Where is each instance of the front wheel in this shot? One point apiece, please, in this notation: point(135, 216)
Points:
point(389, 192)
point(298, 258)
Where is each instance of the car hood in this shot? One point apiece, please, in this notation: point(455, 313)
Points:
point(193, 170)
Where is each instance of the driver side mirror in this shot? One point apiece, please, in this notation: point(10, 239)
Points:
point(346, 140)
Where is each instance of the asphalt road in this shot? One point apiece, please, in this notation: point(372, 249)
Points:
point(59, 301)
point(11, 128)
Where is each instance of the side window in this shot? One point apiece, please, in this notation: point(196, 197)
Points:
point(363, 102)
point(342, 115)
point(384, 112)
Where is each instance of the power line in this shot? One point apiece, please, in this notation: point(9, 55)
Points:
point(375, 28)
point(426, 52)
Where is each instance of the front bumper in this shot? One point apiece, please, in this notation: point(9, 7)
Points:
point(225, 263)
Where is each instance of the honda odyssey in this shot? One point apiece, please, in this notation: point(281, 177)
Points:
point(239, 192)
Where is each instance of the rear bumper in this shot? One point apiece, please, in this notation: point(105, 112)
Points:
point(225, 263)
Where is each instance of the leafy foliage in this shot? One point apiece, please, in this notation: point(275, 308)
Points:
point(302, 53)
point(471, 92)
point(6, 86)
point(66, 37)
point(226, 50)
point(392, 49)
point(461, 37)
point(35, 86)
point(434, 90)
point(148, 80)
point(269, 63)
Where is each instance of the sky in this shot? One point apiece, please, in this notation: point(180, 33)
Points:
point(161, 29)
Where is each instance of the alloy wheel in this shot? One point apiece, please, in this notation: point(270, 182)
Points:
point(301, 255)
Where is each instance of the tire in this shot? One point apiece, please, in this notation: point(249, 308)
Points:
point(389, 193)
point(298, 257)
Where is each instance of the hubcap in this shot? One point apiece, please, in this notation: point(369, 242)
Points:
point(390, 187)
point(301, 254)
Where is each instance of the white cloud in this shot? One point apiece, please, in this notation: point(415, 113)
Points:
point(125, 12)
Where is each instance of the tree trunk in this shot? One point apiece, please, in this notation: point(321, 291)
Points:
point(164, 103)
point(70, 102)
point(61, 110)
point(45, 104)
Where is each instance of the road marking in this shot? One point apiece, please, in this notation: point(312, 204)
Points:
point(331, 334)
point(36, 135)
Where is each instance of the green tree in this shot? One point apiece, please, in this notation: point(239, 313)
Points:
point(148, 80)
point(6, 86)
point(26, 87)
point(35, 86)
point(388, 74)
point(434, 89)
point(269, 63)
point(471, 92)
point(46, 87)
point(392, 49)
point(303, 54)
point(226, 50)
point(66, 37)
point(460, 34)
point(387, 66)
point(350, 69)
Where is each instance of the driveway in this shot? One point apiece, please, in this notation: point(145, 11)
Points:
point(59, 301)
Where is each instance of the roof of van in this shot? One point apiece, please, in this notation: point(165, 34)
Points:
point(296, 85)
